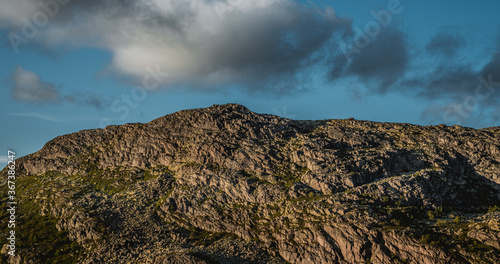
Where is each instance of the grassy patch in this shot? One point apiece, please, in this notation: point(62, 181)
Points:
point(37, 238)
point(451, 236)
point(492, 209)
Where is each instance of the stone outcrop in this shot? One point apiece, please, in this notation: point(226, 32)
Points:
point(227, 185)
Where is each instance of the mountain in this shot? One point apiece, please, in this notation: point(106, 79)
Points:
point(226, 185)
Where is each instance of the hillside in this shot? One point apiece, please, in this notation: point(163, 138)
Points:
point(227, 185)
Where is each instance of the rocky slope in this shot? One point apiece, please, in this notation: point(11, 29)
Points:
point(226, 185)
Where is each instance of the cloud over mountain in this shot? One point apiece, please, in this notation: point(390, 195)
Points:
point(469, 93)
point(459, 80)
point(203, 44)
point(28, 87)
point(380, 64)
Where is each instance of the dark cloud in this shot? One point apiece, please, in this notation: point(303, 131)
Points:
point(445, 44)
point(270, 57)
point(457, 81)
point(386, 59)
point(142, 13)
point(469, 96)
point(383, 61)
point(493, 66)
point(90, 99)
point(443, 81)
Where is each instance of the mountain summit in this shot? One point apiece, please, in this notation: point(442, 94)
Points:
point(226, 185)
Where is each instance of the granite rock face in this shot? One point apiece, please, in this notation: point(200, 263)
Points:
point(227, 185)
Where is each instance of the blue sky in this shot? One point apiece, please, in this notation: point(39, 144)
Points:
point(73, 65)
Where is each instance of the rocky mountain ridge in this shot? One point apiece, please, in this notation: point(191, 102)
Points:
point(227, 185)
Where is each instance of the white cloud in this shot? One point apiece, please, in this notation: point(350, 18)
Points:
point(28, 87)
point(202, 43)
